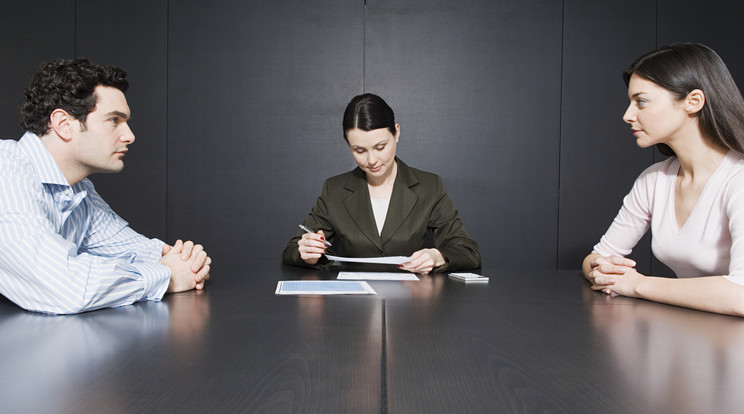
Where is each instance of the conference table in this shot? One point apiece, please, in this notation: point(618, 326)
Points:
point(529, 341)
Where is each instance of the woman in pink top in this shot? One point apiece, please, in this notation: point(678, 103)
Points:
point(683, 100)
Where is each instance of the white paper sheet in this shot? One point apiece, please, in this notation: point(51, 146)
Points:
point(376, 276)
point(379, 260)
point(323, 287)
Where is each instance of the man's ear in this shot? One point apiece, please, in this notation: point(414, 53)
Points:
point(694, 101)
point(62, 123)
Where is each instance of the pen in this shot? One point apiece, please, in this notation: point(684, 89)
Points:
point(308, 230)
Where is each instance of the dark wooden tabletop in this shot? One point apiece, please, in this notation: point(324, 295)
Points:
point(526, 342)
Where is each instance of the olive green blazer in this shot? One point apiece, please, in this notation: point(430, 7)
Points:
point(418, 204)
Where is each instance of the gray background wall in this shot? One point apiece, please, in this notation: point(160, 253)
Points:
point(237, 106)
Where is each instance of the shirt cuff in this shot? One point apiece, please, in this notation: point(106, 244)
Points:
point(156, 278)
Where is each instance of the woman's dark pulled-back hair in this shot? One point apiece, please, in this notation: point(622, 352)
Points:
point(368, 112)
point(681, 68)
point(68, 85)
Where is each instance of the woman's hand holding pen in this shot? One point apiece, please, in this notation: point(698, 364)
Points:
point(311, 246)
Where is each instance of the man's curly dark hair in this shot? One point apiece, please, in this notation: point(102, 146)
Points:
point(67, 84)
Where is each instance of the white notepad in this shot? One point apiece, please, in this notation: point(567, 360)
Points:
point(376, 276)
point(323, 287)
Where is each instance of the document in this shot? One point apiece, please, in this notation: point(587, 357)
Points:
point(376, 276)
point(378, 260)
point(323, 287)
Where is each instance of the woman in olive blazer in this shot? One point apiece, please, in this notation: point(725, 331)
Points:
point(408, 204)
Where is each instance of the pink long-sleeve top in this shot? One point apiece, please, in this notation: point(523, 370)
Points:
point(710, 243)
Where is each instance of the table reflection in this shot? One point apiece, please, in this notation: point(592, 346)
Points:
point(313, 309)
point(357, 332)
point(189, 315)
point(54, 354)
point(55, 357)
point(428, 286)
point(680, 360)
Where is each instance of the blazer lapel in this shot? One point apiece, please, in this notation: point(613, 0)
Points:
point(359, 207)
point(401, 202)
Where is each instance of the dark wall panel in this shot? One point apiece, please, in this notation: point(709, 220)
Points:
point(237, 107)
point(133, 35)
point(30, 33)
point(256, 92)
point(717, 24)
point(599, 158)
point(476, 88)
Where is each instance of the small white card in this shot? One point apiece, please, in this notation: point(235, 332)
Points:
point(469, 277)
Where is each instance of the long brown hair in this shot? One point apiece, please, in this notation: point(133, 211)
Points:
point(681, 68)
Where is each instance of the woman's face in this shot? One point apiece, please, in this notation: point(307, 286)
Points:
point(654, 114)
point(374, 151)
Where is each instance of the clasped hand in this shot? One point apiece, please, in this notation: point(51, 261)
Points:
point(613, 274)
point(189, 265)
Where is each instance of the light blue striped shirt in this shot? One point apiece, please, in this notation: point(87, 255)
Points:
point(62, 248)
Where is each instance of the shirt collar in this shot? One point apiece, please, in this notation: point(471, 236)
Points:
point(47, 170)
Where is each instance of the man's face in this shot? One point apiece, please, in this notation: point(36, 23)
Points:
point(101, 144)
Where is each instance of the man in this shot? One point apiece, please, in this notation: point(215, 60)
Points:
point(62, 248)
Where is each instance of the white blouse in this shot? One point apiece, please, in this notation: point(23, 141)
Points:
point(380, 208)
